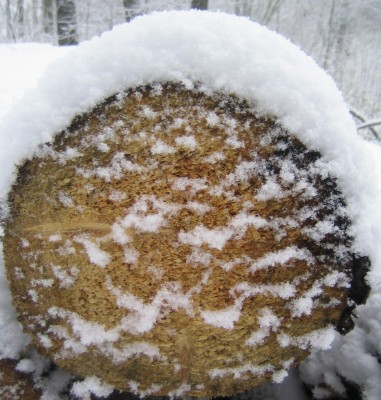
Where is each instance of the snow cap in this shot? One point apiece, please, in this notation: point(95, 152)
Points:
point(225, 53)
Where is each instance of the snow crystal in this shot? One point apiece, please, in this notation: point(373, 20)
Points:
point(161, 148)
point(143, 317)
point(115, 170)
point(186, 141)
point(195, 184)
point(96, 255)
point(149, 113)
point(54, 238)
point(103, 147)
point(121, 354)
point(319, 339)
point(146, 223)
point(270, 190)
point(212, 119)
point(225, 318)
point(180, 391)
point(33, 295)
point(135, 388)
point(239, 371)
point(214, 157)
point(25, 365)
point(116, 195)
point(282, 257)
point(228, 265)
point(197, 207)
point(199, 257)
point(130, 255)
point(304, 304)
point(42, 282)
point(65, 200)
point(67, 249)
point(214, 238)
point(320, 230)
point(119, 235)
point(280, 375)
point(19, 274)
point(45, 340)
point(267, 321)
point(89, 333)
point(66, 277)
point(24, 243)
point(91, 385)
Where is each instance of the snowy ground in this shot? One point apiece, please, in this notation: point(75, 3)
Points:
point(354, 356)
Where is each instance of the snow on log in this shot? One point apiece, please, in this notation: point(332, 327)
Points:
point(185, 229)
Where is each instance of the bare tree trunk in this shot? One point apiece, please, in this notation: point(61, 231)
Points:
point(20, 19)
point(130, 9)
point(10, 30)
point(34, 18)
point(200, 4)
point(329, 42)
point(271, 9)
point(66, 23)
point(47, 16)
point(243, 7)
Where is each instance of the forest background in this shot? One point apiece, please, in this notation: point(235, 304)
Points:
point(343, 36)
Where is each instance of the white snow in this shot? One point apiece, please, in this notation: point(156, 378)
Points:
point(135, 388)
point(231, 55)
point(216, 238)
point(195, 184)
point(91, 385)
point(161, 148)
point(65, 200)
point(186, 141)
point(66, 276)
point(143, 316)
point(95, 254)
point(21, 67)
point(282, 257)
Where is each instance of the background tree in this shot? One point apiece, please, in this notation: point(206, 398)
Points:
point(10, 33)
point(66, 23)
point(200, 4)
point(130, 9)
point(48, 17)
point(343, 36)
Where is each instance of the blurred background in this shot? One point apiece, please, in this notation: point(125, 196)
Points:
point(343, 36)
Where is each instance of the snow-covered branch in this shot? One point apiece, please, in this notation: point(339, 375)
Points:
point(365, 123)
point(369, 124)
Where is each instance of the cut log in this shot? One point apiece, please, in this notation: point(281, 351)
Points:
point(171, 241)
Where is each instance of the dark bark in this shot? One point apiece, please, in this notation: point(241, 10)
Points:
point(200, 4)
point(130, 9)
point(10, 31)
point(20, 18)
point(66, 23)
